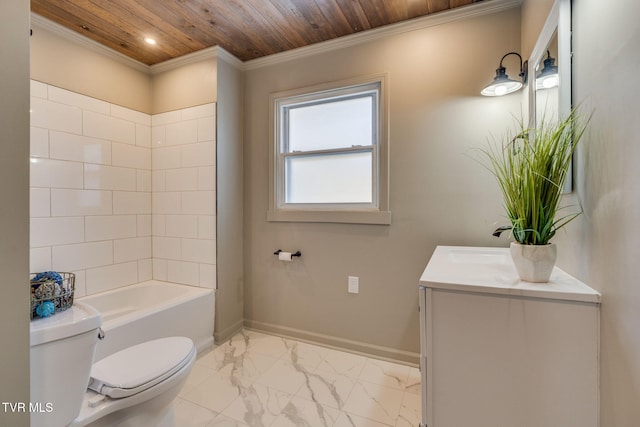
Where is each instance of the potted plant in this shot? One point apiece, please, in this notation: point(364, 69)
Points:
point(531, 169)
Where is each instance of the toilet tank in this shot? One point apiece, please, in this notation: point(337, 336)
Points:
point(62, 348)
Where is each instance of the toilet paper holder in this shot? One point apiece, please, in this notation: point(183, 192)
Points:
point(297, 253)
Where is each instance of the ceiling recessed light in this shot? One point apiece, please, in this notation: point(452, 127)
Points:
point(150, 40)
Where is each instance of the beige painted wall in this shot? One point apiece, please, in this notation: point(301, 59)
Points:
point(534, 15)
point(60, 62)
point(439, 195)
point(14, 209)
point(229, 302)
point(71, 66)
point(601, 246)
point(186, 86)
point(604, 241)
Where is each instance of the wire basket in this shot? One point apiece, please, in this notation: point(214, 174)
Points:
point(51, 292)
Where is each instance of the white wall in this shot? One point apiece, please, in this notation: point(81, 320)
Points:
point(92, 178)
point(184, 196)
point(90, 189)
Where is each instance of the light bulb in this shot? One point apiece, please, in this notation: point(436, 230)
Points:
point(550, 82)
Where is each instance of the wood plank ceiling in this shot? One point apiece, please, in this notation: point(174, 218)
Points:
point(248, 29)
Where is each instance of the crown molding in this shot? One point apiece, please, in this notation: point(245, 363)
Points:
point(215, 52)
point(476, 9)
point(77, 38)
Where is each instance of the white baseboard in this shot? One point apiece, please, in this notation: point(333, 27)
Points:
point(352, 346)
point(221, 336)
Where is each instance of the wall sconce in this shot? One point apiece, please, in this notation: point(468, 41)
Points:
point(548, 77)
point(502, 84)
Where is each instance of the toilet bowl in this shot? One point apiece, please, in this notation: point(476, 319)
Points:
point(133, 387)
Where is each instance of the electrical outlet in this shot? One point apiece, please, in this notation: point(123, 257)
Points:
point(353, 285)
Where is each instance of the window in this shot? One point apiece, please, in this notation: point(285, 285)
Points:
point(330, 154)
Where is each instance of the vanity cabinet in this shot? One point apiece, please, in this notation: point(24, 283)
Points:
point(499, 352)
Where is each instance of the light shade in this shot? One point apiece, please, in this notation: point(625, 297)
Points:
point(548, 77)
point(502, 84)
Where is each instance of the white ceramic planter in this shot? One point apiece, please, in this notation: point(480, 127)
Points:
point(534, 263)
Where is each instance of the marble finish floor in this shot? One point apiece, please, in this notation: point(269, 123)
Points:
point(259, 380)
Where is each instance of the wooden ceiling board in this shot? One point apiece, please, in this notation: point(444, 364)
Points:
point(214, 28)
point(340, 21)
point(313, 21)
point(290, 39)
point(138, 21)
point(109, 29)
point(375, 15)
point(457, 3)
point(417, 8)
point(248, 29)
point(353, 12)
point(438, 5)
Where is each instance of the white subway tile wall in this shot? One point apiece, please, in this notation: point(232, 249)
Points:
point(119, 196)
point(183, 205)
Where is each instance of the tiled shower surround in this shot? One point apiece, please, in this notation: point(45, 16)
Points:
point(119, 196)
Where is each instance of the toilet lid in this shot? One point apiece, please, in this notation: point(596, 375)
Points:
point(140, 367)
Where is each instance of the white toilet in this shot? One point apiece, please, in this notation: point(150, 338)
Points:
point(134, 387)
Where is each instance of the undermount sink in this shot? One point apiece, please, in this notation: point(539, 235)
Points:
point(477, 255)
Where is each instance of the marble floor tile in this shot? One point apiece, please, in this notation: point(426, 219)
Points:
point(188, 414)
point(385, 373)
point(351, 420)
point(233, 362)
point(375, 402)
point(267, 345)
point(338, 362)
point(413, 381)
point(226, 353)
point(305, 413)
point(307, 355)
point(216, 392)
point(259, 380)
point(250, 366)
point(199, 373)
point(410, 411)
point(284, 376)
point(224, 421)
point(327, 389)
point(257, 405)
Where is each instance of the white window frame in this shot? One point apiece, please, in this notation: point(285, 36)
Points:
point(376, 212)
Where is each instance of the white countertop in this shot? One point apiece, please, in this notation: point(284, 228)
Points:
point(491, 270)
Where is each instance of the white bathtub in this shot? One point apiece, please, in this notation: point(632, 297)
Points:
point(153, 309)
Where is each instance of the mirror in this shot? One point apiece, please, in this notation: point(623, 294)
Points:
point(550, 92)
point(545, 84)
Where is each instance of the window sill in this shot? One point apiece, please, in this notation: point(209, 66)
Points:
point(342, 217)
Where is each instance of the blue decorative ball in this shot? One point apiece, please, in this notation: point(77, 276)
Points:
point(45, 309)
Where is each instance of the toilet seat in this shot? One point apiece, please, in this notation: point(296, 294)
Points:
point(138, 368)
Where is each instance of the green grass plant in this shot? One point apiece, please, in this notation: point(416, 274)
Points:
point(531, 169)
